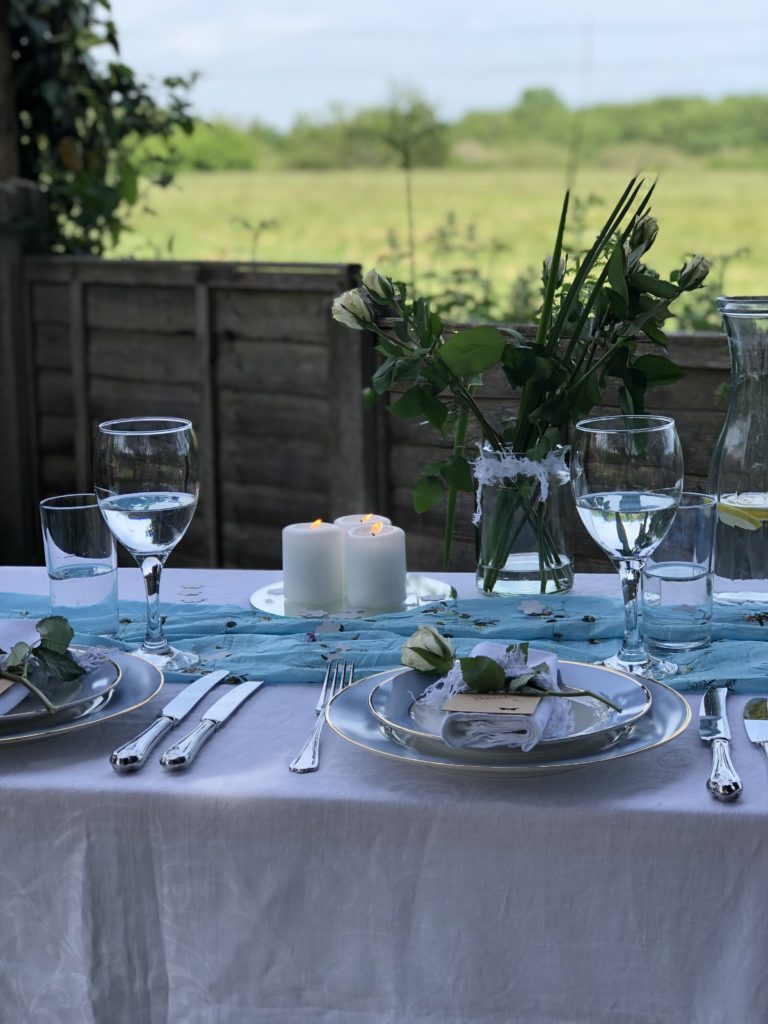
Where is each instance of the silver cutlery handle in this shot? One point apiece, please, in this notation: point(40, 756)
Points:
point(131, 756)
point(723, 781)
point(308, 759)
point(181, 754)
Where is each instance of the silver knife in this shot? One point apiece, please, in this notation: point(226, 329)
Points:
point(756, 722)
point(723, 781)
point(131, 756)
point(181, 754)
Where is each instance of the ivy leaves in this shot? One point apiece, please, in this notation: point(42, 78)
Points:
point(51, 654)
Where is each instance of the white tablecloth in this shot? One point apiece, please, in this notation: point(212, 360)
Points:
point(372, 892)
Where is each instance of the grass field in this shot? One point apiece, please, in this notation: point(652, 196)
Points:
point(346, 216)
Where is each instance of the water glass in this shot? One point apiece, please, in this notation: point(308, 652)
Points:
point(677, 580)
point(82, 562)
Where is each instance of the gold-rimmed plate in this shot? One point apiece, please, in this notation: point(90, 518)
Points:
point(140, 682)
point(88, 691)
point(396, 703)
point(349, 716)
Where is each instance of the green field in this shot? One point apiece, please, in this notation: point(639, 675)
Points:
point(330, 216)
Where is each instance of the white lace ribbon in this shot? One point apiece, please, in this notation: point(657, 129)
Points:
point(496, 468)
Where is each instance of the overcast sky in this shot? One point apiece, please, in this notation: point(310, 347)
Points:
point(273, 60)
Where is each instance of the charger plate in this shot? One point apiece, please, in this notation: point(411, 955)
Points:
point(139, 683)
point(419, 590)
point(348, 714)
point(395, 703)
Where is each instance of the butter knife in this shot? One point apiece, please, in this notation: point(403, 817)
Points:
point(131, 756)
point(723, 781)
point(181, 754)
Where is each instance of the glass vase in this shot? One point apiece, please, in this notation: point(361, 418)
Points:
point(738, 474)
point(524, 524)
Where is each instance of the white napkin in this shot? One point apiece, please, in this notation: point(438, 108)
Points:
point(552, 718)
point(13, 631)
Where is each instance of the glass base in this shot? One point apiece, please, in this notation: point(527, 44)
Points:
point(172, 660)
point(650, 667)
point(522, 575)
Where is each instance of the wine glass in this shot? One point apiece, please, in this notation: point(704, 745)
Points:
point(627, 479)
point(145, 479)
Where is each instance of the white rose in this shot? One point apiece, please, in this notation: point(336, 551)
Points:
point(351, 310)
point(427, 651)
point(379, 286)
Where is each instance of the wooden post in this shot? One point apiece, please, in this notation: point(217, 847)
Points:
point(9, 137)
point(20, 204)
point(209, 433)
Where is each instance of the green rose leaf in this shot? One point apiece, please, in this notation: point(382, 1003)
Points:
point(457, 474)
point(17, 657)
point(409, 405)
point(55, 633)
point(483, 675)
point(653, 285)
point(473, 351)
point(658, 369)
point(616, 278)
point(427, 493)
point(62, 666)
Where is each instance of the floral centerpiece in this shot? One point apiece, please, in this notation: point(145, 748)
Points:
point(597, 307)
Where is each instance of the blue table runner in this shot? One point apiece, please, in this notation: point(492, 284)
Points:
point(287, 650)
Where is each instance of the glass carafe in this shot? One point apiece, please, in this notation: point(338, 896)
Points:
point(738, 473)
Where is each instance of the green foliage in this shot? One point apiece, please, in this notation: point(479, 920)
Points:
point(217, 145)
point(596, 306)
point(404, 133)
point(51, 653)
point(81, 119)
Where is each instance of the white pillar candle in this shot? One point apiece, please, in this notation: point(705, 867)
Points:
point(347, 523)
point(312, 565)
point(374, 567)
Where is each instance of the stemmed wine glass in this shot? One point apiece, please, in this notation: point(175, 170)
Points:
point(627, 479)
point(146, 483)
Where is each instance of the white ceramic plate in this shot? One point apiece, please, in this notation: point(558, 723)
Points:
point(66, 695)
point(419, 590)
point(349, 716)
point(395, 703)
point(139, 683)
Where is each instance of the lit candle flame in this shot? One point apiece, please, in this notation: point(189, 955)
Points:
point(315, 525)
point(368, 518)
point(376, 529)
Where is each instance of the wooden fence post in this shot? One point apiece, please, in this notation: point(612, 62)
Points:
point(22, 209)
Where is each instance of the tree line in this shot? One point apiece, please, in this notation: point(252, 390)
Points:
point(407, 132)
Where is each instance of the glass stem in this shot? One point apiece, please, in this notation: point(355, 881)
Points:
point(632, 649)
point(154, 642)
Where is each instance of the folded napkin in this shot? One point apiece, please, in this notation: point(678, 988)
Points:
point(13, 631)
point(552, 718)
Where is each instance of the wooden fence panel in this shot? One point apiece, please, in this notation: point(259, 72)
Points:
point(248, 352)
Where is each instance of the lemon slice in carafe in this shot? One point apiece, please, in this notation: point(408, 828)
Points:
point(746, 511)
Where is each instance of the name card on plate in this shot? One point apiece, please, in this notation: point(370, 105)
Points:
point(492, 704)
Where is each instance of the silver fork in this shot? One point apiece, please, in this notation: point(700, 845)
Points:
point(338, 677)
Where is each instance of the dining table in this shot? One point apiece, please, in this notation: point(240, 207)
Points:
point(372, 891)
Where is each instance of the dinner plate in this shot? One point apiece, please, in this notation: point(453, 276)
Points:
point(348, 714)
point(139, 683)
point(86, 691)
point(395, 703)
point(419, 590)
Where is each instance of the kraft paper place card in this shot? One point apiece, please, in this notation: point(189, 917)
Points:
point(492, 704)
